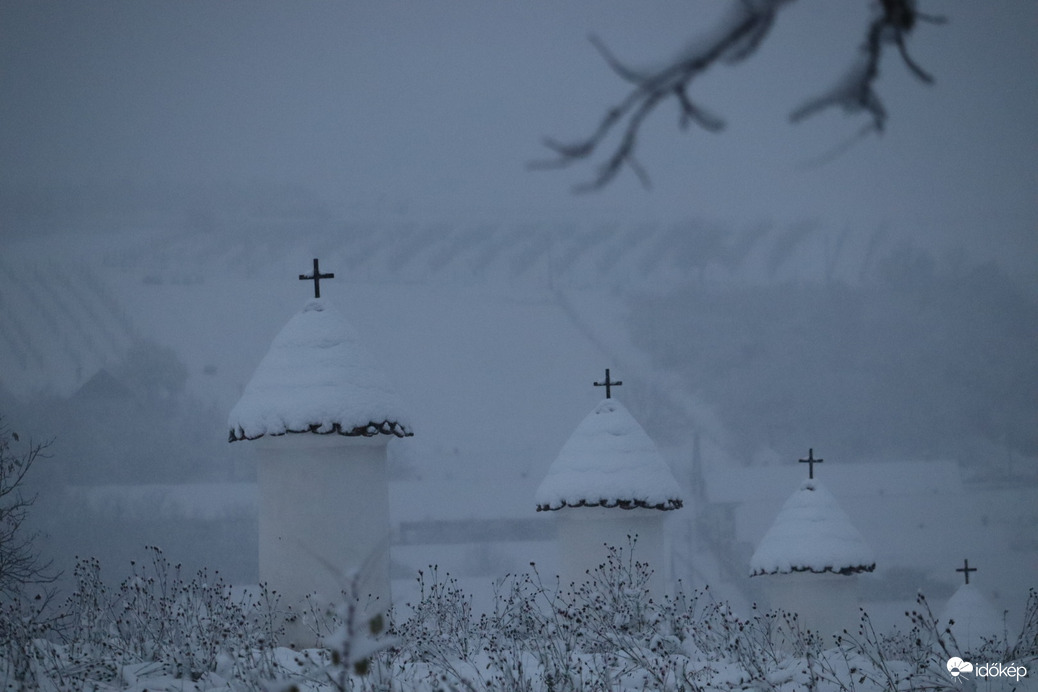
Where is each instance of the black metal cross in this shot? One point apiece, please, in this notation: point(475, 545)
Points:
point(316, 278)
point(966, 569)
point(608, 384)
point(811, 461)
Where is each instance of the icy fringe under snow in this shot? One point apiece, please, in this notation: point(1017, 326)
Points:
point(317, 377)
point(812, 533)
point(609, 461)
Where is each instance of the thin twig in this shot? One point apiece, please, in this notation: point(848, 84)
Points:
point(739, 38)
point(653, 87)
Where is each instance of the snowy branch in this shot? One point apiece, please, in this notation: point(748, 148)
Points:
point(856, 92)
point(736, 38)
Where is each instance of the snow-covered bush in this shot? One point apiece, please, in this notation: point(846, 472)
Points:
point(156, 623)
point(22, 622)
point(354, 634)
point(159, 630)
point(605, 633)
point(608, 634)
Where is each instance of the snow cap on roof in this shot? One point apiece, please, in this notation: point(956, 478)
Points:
point(812, 533)
point(317, 378)
point(609, 461)
point(971, 617)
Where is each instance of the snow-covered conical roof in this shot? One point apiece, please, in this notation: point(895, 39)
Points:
point(609, 461)
point(812, 533)
point(971, 617)
point(317, 378)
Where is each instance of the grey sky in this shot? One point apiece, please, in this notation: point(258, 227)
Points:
point(436, 107)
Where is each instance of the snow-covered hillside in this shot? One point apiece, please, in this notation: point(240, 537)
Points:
point(493, 334)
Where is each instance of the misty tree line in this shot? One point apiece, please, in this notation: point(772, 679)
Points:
point(131, 422)
point(915, 363)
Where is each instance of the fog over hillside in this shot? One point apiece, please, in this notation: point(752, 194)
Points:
point(169, 170)
point(494, 333)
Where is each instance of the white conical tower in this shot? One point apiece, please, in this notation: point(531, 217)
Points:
point(970, 616)
point(609, 482)
point(319, 414)
point(809, 558)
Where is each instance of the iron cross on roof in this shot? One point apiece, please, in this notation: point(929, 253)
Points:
point(608, 384)
point(966, 569)
point(811, 461)
point(316, 278)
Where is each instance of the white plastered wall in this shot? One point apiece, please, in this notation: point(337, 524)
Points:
point(584, 533)
point(826, 603)
point(323, 518)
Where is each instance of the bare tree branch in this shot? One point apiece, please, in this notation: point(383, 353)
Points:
point(617, 66)
point(747, 25)
point(856, 92)
point(690, 112)
point(736, 38)
point(20, 561)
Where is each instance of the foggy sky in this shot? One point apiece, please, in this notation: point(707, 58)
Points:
point(435, 108)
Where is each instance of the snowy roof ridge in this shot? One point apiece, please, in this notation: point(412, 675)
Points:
point(317, 378)
point(812, 533)
point(609, 461)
